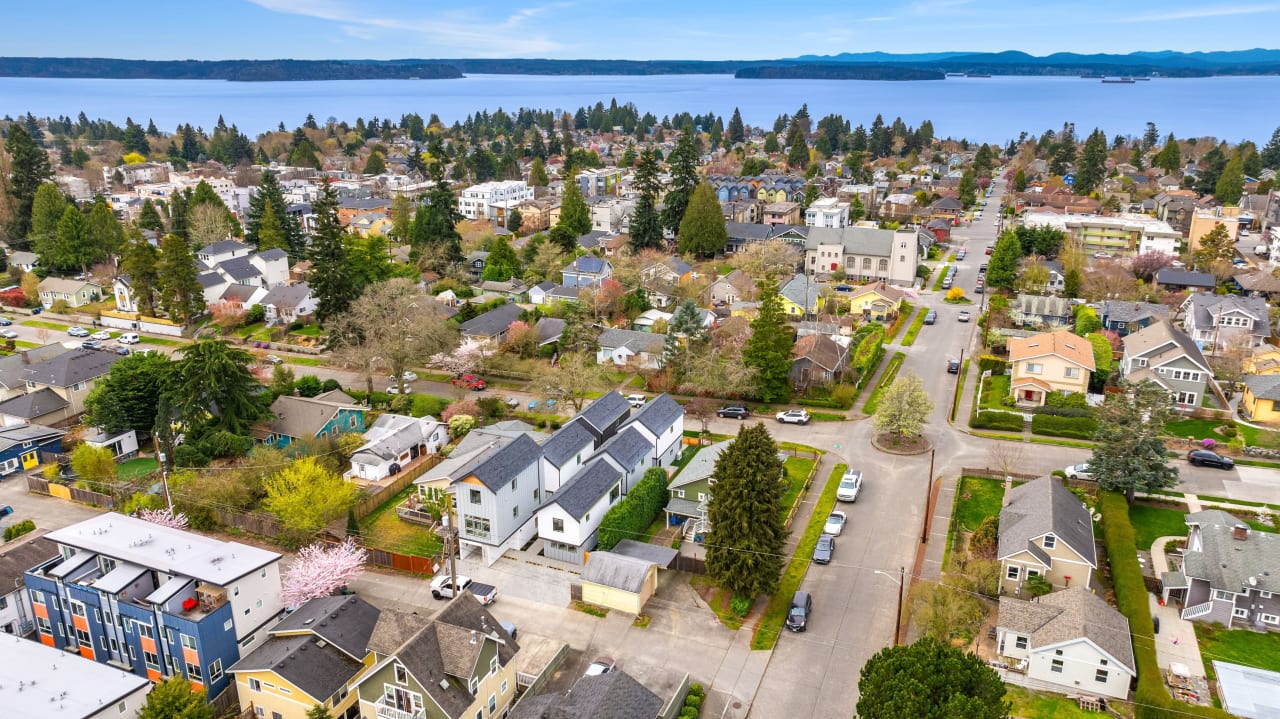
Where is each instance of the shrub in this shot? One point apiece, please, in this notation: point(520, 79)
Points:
point(187, 455)
point(983, 542)
point(869, 350)
point(460, 424)
point(1059, 474)
point(17, 530)
point(688, 713)
point(465, 407)
point(696, 690)
point(955, 294)
point(491, 407)
point(1075, 427)
point(1037, 585)
point(630, 518)
point(330, 385)
point(1230, 432)
point(255, 314)
point(60, 307)
point(1007, 421)
point(308, 385)
point(989, 362)
point(1071, 400)
point(427, 404)
point(692, 701)
point(842, 395)
point(1063, 411)
point(224, 444)
point(740, 605)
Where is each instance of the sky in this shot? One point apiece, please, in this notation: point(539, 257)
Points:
point(643, 30)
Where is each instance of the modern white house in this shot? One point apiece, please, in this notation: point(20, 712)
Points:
point(41, 681)
point(1072, 639)
point(661, 422)
point(477, 201)
point(392, 442)
point(565, 454)
point(629, 451)
point(567, 523)
point(827, 212)
point(497, 499)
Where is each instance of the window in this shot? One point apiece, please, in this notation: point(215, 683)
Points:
point(477, 527)
point(122, 706)
point(1223, 595)
point(883, 266)
point(493, 665)
point(276, 715)
point(215, 671)
point(1140, 361)
point(1264, 595)
point(1269, 618)
point(504, 686)
point(1056, 666)
point(402, 675)
point(513, 484)
point(45, 627)
point(1184, 397)
point(1187, 375)
point(1013, 572)
point(259, 711)
point(168, 634)
point(193, 673)
point(1240, 613)
point(244, 643)
point(702, 496)
point(679, 493)
point(133, 656)
point(1050, 541)
point(557, 525)
point(83, 638)
point(145, 630)
point(1034, 368)
point(226, 626)
point(284, 690)
point(1071, 372)
point(152, 661)
point(1100, 676)
point(4, 602)
point(77, 609)
point(493, 704)
point(515, 511)
point(1020, 642)
point(188, 641)
point(97, 614)
point(474, 686)
point(115, 646)
point(255, 685)
point(475, 496)
point(615, 493)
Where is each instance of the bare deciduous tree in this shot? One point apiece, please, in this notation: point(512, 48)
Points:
point(572, 379)
point(772, 257)
point(207, 224)
point(1005, 456)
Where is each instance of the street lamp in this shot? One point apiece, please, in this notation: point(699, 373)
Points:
point(901, 582)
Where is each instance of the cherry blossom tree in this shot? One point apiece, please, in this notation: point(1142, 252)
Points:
point(164, 518)
point(319, 570)
point(463, 359)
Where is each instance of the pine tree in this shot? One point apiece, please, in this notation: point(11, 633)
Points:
point(968, 188)
point(1020, 180)
point(646, 224)
point(930, 680)
point(149, 218)
point(737, 131)
point(538, 173)
point(270, 192)
point(574, 215)
point(1170, 157)
point(1230, 186)
point(1130, 454)
point(769, 349)
point(1093, 161)
point(1072, 283)
point(135, 139)
point(434, 232)
point(28, 169)
point(138, 261)
point(684, 179)
point(1215, 246)
point(374, 165)
point(46, 211)
point(702, 231)
point(1151, 137)
point(103, 235)
point(401, 217)
point(747, 539)
point(178, 281)
point(68, 246)
point(330, 280)
point(798, 149)
point(270, 233)
point(502, 263)
point(1002, 270)
point(1271, 152)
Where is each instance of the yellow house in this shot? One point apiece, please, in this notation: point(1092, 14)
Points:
point(1263, 359)
point(1045, 531)
point(1049, 362)
point(876, 302)
point(619, 581)
point(371, 223)
point(314, 657)
point(1261, 398)
point(800, 297)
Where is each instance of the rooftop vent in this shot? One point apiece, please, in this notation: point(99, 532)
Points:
point(1240, 532)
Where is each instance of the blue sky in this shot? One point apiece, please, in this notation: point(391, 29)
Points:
point(647, 29)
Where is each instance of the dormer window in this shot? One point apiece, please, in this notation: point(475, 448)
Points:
point(1050, 541)
point(402, 674)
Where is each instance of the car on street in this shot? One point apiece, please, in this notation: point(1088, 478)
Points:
point(122, 351)
point(930, 317)
point(801, 608)
point(823, 550)
point(843, 288)
point(733, 412)
point(471, 382)
point(442, 587)
point(602, 665)
point(979, 289)
point(5, 321)
point(395, 389)
point(850, 486)
point(982, 270)
point(960, 255)
point(1100, 255)
point(6, 510)
point(101, 335)
point(637, 400)
point(793, 416)
point(835, 523)
point(129, 338)
point(1206, 458)
point(407, 377)
point(91, 344)
point(1078, 471)
point(273, 360)
point(953, 366)
point(988, 250)
point(509, 628)
point(78, 331)
point(963, 316)
point(8, 334)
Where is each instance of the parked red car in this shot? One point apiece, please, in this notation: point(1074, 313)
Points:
point(471, 382)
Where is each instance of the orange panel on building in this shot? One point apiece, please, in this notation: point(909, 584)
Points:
point(40, 610)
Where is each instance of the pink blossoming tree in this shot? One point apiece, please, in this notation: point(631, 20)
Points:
point(319, 570)
point(164, 518)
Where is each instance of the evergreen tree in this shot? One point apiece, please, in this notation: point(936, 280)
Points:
point(1271, 152)
point(138, 260)
point(502, 263)
point(646, 224)
point(46, 212)
point(1130, 455)
point(1214, 247)
point(149, 218)
point(175, 698)
point(1151, 137)
point(930, 680)
point(213, 378)
point(135, 139)
point(515, 219)
point(434, 232)
point(1020, 180)
point(270, 233)
point(401, 217)
point(747, 539)
point(178, 214)
point(797, 148)
point(375, 165)
point(1072, 283)
point(1170, 157)
point(702, 231)
point(103, 235)
point(178, 281)
point(1230, 186)
point(574, 215)
point(968, 188)
point(330, 278)
point(737, 131)
point(684, 179)
point(1209, 170)
point(69, 245)
point(1093, 161)
point(538, 173)
point(769, 349)
point(771, 143)
point(28, 169)
point(1002, 269)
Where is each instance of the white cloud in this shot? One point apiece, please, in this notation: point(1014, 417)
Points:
point(461, 34)
point(1202, 12)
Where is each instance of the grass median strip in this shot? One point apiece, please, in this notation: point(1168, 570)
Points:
point(942, 275)
point(886, 379)
point(45, 325)
point(775, 613)
point(964, 375)
point(916, 325)
point(903, 313)
point(161, 341)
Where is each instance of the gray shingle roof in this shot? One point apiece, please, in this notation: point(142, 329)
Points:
point(274, 253)
point(1044, 506)
point(320, 671)
point(605, 411)
point(19, 433)
point(1263, 386)
point(658, 414)
point(650, 342)
point(586, 488)
point(390, 436)
point(607, 696)
point(18, 556)
point(628, 448)
point(1208, 307)
point(1117, 311)
point(1073, 613)
point(702, 466)
point(287, 295)
point(34, 404)
point(499, 468)
point(1215, 556)
point(492, 323)
point(617, 571)
point(1183, 278)
point(1161, 342)
point(210, 279)
point(223, 247)
point(68, 368)
point(346, 622)
point(239, 268)
point(568, 441)
point(13, 368)
point(802, 291)
point(303, 417)
point(855, 240)
point(656, 553)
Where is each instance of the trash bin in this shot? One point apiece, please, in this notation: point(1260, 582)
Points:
point(1155, 621)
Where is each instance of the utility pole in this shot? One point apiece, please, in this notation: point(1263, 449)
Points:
point(902, 588)
point(955, 403)
point(928, 494)
point(451, 548)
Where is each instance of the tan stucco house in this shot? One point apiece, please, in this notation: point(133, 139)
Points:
point(1045, 530)
point(1049, 362)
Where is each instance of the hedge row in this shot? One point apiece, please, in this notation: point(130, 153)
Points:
point(989, 362)
point(1062, 411)
point(1008, 421)
point(1074, 427)
point(630, 518)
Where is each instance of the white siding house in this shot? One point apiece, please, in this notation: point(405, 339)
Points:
point(567, 523)
point(661, 421)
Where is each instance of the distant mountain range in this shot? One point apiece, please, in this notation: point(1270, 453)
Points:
point(869, 65)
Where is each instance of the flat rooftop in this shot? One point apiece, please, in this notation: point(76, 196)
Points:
point(172, 551)
point(41, 681)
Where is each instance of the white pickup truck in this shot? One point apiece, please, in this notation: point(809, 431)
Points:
point(442, 588)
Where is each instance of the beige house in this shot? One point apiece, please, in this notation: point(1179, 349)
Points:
point(1072, 639)
point(1046, 531)
point(625, 578)
point(76, 293)
point(56, 387)
point(1049, 362)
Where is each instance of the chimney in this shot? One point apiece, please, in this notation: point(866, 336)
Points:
point(26, 357)
point(1240, 532)
point(1008, 487)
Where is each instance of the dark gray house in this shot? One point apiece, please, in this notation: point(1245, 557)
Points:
point(1165, 355)
point(491, 325)
point(1125, 318)
point(1228, 575)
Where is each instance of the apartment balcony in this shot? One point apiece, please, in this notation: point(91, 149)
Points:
point(387, 711)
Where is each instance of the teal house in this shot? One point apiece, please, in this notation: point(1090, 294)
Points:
point(323, 416)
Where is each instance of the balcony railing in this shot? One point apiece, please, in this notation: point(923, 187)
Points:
point(386, 711)
point(1198, 610)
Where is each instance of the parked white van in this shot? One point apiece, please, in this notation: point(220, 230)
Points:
point(129, 338)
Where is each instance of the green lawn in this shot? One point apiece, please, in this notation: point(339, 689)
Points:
point(976, 499)
point(1151, 523)
point(45, 325)
point(994, 388)
point(827, 417)
point(163, 342)
point(942, 275)
point(1198, 428)
point(23, 344)
point(308, 331)
point(136, 467)
point(1238, 646)
point(1255, 437)
point(904, 312)
point(385, 530)
point(964, 375)
point(798, 469)
point(886, 379)
point(305, 361)
point(916, 325)
point(1030, 704)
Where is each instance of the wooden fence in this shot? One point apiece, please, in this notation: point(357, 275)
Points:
point(122, 491)
point(404, 562)
point(259, 523)
point(380, 494)
point(990, 473)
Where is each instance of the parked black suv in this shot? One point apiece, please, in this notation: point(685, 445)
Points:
point(1198, 457)
point(733, 412)
point(801, 608)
